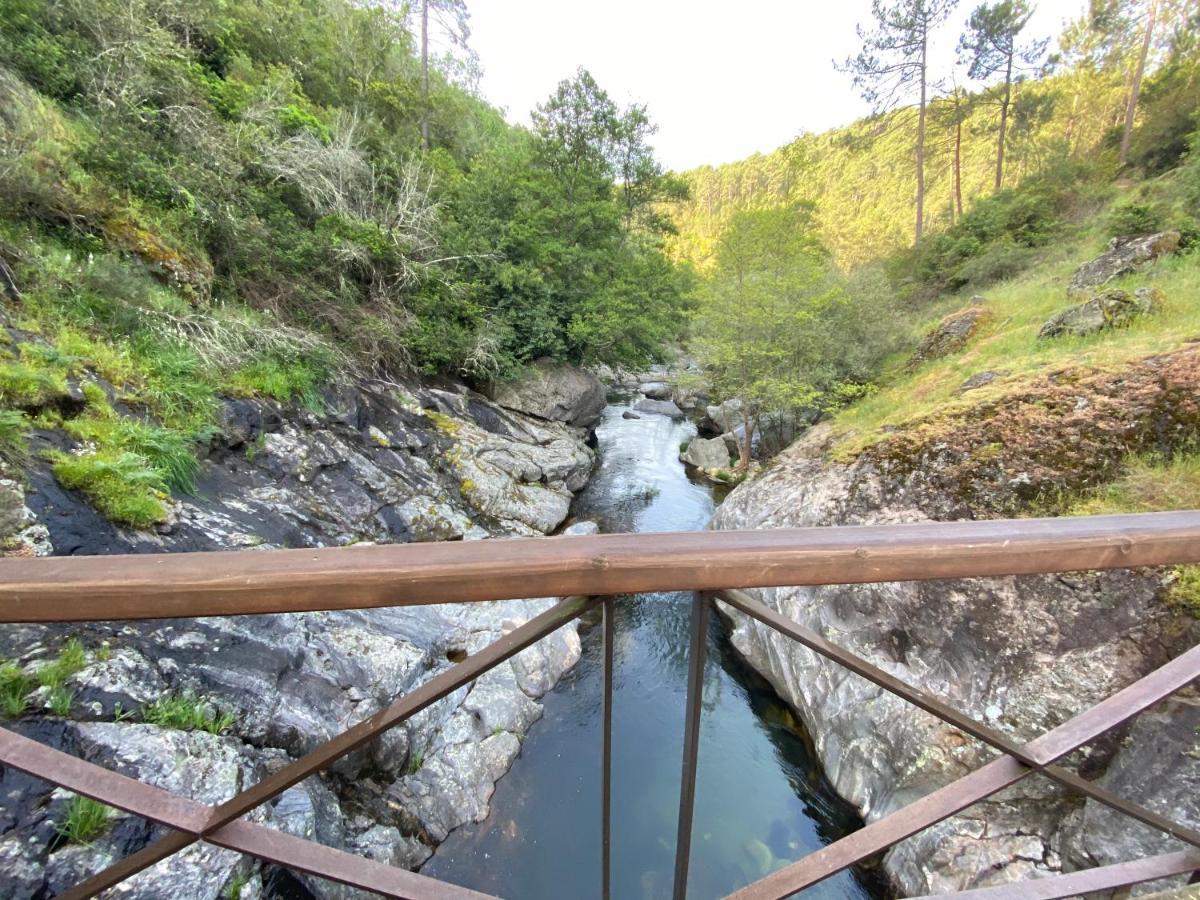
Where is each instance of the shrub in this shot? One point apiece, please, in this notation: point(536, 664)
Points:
point(86, 819)
point(122, 485)
point(187, 712)
point(1130, 219)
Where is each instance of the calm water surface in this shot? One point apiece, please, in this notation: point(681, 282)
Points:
point(760, 800)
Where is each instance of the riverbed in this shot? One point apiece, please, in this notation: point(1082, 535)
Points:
point(761, 800)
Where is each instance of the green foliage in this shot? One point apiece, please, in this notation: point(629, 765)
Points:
point(28, 386)
point(1149, 484)
point(15, 687)
point(86, 819)
point(70, 660)
point(416, 761)
point(121, 484)
point(1184, 589)
point(1135, 219)
point(14, 436)
point(187, 712)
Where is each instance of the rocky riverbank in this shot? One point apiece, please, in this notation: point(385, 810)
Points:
point(1022, 654)
point(380, 462)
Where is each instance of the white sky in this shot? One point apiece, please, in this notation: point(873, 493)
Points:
point(722, 80)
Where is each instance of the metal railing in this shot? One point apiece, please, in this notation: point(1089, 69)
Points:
point(589, 571)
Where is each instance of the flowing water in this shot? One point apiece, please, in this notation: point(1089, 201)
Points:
point(761, 800)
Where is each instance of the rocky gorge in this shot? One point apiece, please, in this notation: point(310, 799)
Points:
point(1023, 654)
point(378, 462)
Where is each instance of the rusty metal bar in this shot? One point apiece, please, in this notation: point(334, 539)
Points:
point(983, 782)
point(606, 753)
point(165, 808)
point(812, 640)
point(402, 708)
point(182, 585)
point(1101, 878)
point(691, 741)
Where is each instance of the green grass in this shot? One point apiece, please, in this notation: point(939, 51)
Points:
point(416, 761)
point(28, 387)
point(71, 659)
point(187, 712)
point(1149, 484)
point(1007, 342)
point(122, 485)
point(15, 687)
point(1183, 591)
point(14, 436)
point(85, 821)
point(282, 381)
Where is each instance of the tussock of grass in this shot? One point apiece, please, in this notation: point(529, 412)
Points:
point(15, 687)
point(187, 712)
point(123, 486)
point(14, 436)
point(71, 659)
point(29, 387)
point(86, 820)
point(1150, 484)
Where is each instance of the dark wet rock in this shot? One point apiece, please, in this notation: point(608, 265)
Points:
point(950, 335)
point(554, 391)
point(1124, 255)
point(659, 408)
point(630, 414)
point(1112, 308)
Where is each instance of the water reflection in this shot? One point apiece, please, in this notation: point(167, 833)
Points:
point(761, 801)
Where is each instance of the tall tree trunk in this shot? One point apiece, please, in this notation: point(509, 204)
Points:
point(1003, 123)
point(425, 75)
point(958, 165)
point(921, 145)
point(1135, 88)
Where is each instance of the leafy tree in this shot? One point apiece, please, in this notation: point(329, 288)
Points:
point(894, 63)
point(991, 46)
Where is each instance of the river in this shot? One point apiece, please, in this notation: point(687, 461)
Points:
point(761, 801)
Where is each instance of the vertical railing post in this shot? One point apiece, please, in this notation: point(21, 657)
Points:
point(691, 741)
point(606, 775)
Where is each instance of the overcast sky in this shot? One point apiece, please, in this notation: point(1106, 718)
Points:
point(723, 80)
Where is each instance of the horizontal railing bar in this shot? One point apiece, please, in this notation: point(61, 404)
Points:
point(1101, 878)
point(813, 641)
point(401, 709)
point(975, 786)
point(157, 805)
point(173, 585)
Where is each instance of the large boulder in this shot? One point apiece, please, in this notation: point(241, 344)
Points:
point(554, 391)
point(950, 335)
point(656, 390)
point(1113, 308)
point(1124, 255)
point(706, 453)
point(659, 407)
point(1023, 654)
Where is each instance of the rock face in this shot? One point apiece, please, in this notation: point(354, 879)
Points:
point(1021, 654)
point(1113, 308)
point(1124, 255)
point(382, 463)
point(659, 407)
point(555, 392)
point(656, 390)
point(706, 453)
point(950, 335)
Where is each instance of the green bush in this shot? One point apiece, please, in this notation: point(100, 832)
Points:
point(15, 687)
point(1129, 219)
point(28, 387)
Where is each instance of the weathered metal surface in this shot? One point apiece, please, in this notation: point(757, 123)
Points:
point(983, 782)
point(181, 585)
point(1102, 878)
point(809, 638)
point(691, 741)
point(404, 707)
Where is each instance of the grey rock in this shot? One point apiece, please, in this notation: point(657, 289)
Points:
point(722, 418)
point(978, 380)
point(950, 335)
point(706, 453)
point(656, 390)
point(584, 527)
point(1025, 653)
point(1124, 255)
point(630, 414)
point(1112, 308)
point(659, 407)
point(554, 391)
